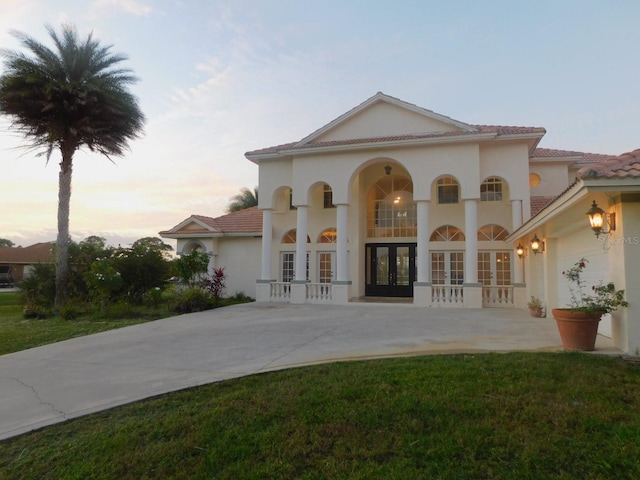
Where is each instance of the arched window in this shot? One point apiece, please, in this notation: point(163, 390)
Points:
point(447, 233)
point(328, 236)
point(534, 179)
point(492, 232)
point(448, 190)
point(291, 237)
point(491, 190)
point(391, 211)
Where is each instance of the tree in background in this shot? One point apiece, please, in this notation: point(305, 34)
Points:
point(6, 243)
point(245, 199)
point(192, 268)
point(67, 98)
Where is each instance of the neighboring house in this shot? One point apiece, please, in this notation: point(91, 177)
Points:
point(20, 260)
point(393, 200)
point(232, 241)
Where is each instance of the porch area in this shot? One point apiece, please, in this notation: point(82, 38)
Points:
point(452, 296)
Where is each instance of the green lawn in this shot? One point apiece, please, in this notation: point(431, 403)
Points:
point(507, 416)
point(18, 333)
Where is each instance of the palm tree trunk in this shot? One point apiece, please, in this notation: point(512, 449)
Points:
point(62, 244)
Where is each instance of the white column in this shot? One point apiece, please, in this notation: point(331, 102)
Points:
point(301, 243)
point(423, 240)
point(267, 243)
point(471, 242)
point(516, 214)
point(342, 265)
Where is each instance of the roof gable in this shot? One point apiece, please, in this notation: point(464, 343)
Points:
point(385, 116)
point(247, 221)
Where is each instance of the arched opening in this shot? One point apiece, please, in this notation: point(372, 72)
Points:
point(391, 211)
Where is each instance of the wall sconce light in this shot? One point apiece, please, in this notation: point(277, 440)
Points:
point(520, 250)
point(387, 169)
point(601, 221)
point(537, 246)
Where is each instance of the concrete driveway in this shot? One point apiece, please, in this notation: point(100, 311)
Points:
point(56, 382)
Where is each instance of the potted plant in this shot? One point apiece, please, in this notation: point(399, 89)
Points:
point(535, 307)
point(578, 324)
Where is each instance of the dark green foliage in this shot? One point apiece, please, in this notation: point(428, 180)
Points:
point(245, 199)
point(4, 242)
point(143, 266)
point(67, 98)
point(191, 268)
point(193, 299)
point(38, 289)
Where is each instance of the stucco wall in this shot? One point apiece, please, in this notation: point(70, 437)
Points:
point(240, 257)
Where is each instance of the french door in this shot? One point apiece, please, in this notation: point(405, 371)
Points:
point(390, 269)
point(494, 268)
point(447, 268)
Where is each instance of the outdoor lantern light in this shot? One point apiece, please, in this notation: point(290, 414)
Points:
point(387, 169)
point(520, 250)
point(599, 219)
point(536, 245)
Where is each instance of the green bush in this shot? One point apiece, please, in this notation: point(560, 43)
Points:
point(71, 311)
point(192, 300)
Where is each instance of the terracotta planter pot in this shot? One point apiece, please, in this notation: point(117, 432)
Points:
point(578, 330)
point(535, 312)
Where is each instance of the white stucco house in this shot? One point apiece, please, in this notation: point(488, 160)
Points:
point(394, 200)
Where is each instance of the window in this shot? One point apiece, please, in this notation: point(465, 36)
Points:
point(492, 232)
point(328, 197)
point(391, 211)
point(288, 266)
point(291, 207)
point(534, 179)
point(491, 190)
point(288, 262)
point(447, 233)
point(291, 237)
point(448, 190)
point(328, 236)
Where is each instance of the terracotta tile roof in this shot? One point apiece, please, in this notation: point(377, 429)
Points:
point(242, 221)
point(626, 165)
point(477, 129)
point(538, 203)
point(37, 253)
point(584, 157)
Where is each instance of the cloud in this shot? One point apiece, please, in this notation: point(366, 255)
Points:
point(132, 7)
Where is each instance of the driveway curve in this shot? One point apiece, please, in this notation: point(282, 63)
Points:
point(56, 382)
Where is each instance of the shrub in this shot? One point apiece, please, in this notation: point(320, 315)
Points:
point(71, 311)
point(192, 300)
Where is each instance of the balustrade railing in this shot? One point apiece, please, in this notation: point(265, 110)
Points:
point(497, 296)
point(447, 295)
point(319, 293)
point(280, 291)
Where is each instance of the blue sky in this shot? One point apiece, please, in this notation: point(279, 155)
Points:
point(219, 78)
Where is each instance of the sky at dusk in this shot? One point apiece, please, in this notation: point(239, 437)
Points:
point(220, 78)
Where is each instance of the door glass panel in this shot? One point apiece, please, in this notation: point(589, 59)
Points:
point(503, 268)
point(437, 268)
point(484, 268)
point(402, 266)
point(382, 269)
point(325, 267)
point(456, 268)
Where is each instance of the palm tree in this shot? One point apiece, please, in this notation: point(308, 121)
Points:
point(245, 199)
point(67, 98)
